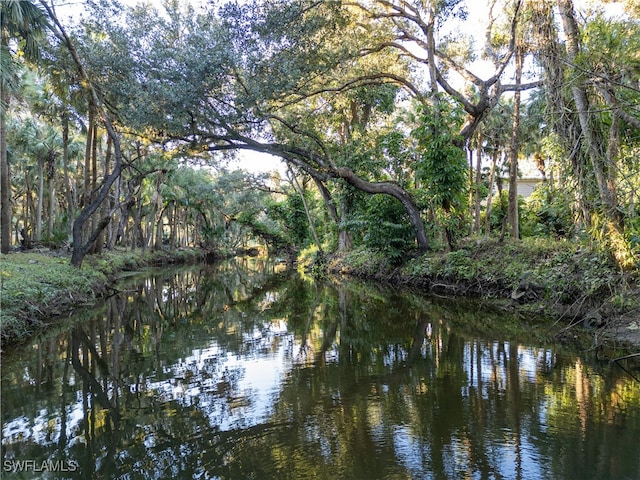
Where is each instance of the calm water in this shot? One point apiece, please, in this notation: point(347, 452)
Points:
point(241, 371)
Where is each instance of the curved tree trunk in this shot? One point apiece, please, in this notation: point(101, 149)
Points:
point(322, 169)
point(80, 247)
point(395, 191)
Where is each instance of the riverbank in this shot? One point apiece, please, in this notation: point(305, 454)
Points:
point(41, 285)
point(575, 286)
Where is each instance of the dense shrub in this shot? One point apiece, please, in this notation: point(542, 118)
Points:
point(548, 212)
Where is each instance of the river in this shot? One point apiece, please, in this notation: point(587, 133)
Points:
point(244, 371)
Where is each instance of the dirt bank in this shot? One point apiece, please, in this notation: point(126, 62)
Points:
point(579, 289)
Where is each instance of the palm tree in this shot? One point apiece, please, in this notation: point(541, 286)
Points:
point(21, 21)
point(496, 132)
point(42, 142)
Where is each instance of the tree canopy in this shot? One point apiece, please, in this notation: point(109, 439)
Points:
point(358, 98)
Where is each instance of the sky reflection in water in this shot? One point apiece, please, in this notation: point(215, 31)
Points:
point(245, 372)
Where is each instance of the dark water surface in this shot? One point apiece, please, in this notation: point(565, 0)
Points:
point(240, 371)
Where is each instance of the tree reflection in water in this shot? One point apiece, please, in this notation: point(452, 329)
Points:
point(242, 371)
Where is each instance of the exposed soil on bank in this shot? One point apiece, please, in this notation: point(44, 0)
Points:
point(580, 290)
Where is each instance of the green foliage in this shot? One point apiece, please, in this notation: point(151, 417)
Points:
point(547, 271)
point(632, 234)
point(498, 210)
point(231, 203)
point(459, 264)
point(218, 78)
point(365, 261)
point(443, 165)
point(291, 218)
point(548, 212)
point(612, 45)
point(385, 227)
point(24, 22)
point(32, 281)
point(35, 286)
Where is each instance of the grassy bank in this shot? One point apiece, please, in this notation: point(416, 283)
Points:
point(43, 285)
point(563, 280)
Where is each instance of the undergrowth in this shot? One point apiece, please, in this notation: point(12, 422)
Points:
point(540, 274)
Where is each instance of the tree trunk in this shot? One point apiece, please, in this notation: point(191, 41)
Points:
point(159, 230)
point(487, 220)
point(469, 157)
point(345, 240)
point(154, 221)
point(95, 144)
point(613, 148)
point(115, 226)
point(86, 192)
point(137, 235)
point(71, 204)
point(344, 236)
point(312, 227)
point(514, 151)
point(81, 248)
point(52, 206)
point(395, 191)
point(476, 209)
point(305, 160)
point(173, 216)
point(431, 50)
point(5, 175)
point(502, 207)
point(552, 53)
point(328, 200)
point(106, 205)
point(581, 101)
point(85, 198)
point(40, 198)
point(28, 211)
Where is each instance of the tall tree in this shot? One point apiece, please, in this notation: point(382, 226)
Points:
point(231, 97)
point(581, 101)
point(24, 22)
point(599, 135)
point(83, 243)
point(514, 146)
point(418, 22)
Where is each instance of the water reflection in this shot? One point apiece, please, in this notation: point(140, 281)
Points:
point(243, 371)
